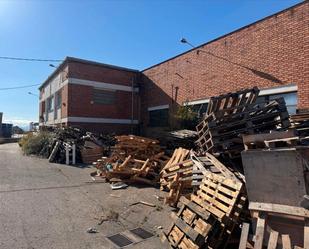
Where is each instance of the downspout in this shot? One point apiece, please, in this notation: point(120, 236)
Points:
point(132, 104)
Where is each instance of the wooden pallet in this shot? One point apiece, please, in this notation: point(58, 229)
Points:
point(211, 215)
point(232, 102)
point(221, 133)
point(218, 195)
point(284, 233)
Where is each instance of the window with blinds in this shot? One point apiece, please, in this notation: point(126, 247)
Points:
point(104, 97)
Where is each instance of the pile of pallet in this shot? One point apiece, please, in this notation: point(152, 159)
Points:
point(209, 217)
point(133, 160)
point(300, 122)
point(251, 171)
point(135, 146)
point(232, 114)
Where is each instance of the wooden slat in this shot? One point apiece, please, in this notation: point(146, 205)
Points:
point(260, 229)
point(278, 208)
point(197, 209)
point(244, 236)
point(185, 228)
point(213, 210)
point(306, 234)
point(224, 170)
point(286, 241)
point(273, 239)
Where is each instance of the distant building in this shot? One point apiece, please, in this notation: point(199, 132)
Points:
point(5, 129)
point(33, 126)
point(272, 54)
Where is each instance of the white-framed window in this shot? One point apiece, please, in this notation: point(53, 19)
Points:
point(289, 98)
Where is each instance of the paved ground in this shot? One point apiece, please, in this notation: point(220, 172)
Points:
point(45, 205)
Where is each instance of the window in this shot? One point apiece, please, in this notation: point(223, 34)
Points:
point(50, 104)
point(200, 109)
point(158, 118)
point(289, 98)
point(58, 100)
point(105, 97)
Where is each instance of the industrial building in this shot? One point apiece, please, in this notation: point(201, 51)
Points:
point(272, 54)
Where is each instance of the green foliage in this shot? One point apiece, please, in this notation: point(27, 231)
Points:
point(186, 116)
point(36, 143)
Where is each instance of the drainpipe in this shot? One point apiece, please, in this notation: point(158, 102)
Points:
point(132, 104)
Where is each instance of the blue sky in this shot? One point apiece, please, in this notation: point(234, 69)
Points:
point(134, 34)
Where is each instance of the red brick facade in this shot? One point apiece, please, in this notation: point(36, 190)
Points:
point(78, 107)
point(272, 52)
point(269, 53)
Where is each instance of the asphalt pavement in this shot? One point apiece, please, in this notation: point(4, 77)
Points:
point(44, 205)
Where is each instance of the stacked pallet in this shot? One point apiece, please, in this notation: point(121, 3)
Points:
point(210, 217)
point(300, 122)
point(136, 146)
point(133, 160)
point(176, 176)
point(237, 113)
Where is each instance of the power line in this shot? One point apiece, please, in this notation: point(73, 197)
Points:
point(27, 59)
point(18, 87)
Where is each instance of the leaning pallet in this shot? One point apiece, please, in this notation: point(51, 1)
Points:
point(176, 176)
point(211, 215)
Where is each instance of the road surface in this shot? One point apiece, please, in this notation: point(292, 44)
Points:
point(44, 205)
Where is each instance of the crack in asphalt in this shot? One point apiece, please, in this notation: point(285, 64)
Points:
point(48, 188)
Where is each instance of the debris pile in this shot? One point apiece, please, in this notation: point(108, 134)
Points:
point(59, 144)
point(249, 171)
point(133, 159)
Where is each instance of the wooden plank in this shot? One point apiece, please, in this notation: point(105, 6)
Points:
point(220, 214)
point(260, 138)
point(188, 216)
point(202, 227)
point(224, 170)
point(187, 244)
point(220, 188)
point(306, 234)
point(278, 208)
point(229, 201)
point(273, 239)
point(191, 233)
point(260, 229)
point(244, 236)
point(213, 202)
point(197, 209)
point(286, 241)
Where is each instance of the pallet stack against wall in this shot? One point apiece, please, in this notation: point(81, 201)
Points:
point(251, 171)
point(238, 113)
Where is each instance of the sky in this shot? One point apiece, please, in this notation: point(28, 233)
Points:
point(129, 33)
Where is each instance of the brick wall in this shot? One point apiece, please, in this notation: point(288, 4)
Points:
point(81, 104)
point(99, 73)
point(269, 53)
point(118, 129)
